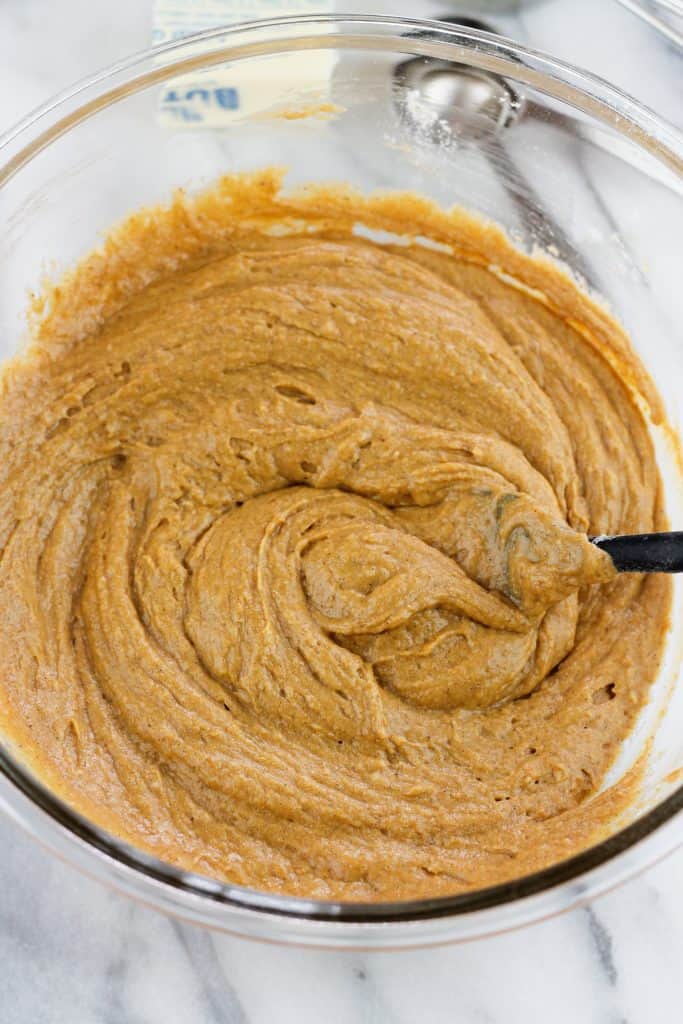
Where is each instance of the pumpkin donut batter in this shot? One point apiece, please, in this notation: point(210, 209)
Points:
point(295, 588)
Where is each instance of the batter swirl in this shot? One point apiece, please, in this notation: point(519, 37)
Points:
point(295, 584)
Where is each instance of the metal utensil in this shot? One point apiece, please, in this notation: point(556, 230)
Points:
point(473, 107)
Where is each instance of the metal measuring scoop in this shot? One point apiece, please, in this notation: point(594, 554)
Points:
point(453, 102)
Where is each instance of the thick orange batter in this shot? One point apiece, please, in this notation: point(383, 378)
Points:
point(295, 583)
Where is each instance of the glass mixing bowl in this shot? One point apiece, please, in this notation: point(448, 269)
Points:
point(562, 160)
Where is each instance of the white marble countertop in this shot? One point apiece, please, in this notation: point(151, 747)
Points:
point(72, 951)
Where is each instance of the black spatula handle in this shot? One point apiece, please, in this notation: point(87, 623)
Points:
point(644, 552)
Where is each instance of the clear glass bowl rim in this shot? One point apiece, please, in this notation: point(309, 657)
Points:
point(102, 855)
